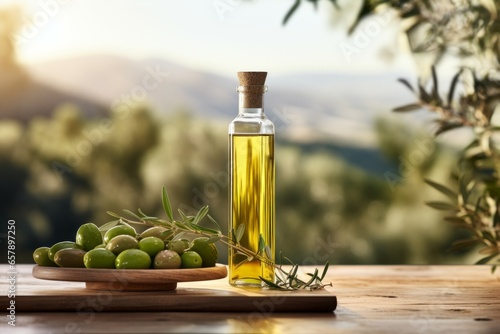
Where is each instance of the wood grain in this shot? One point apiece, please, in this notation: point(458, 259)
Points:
point(109, 286)
point(203, 296)
point(129, 280)
point(372, 299)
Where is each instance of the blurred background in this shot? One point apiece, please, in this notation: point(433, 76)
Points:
point(103, 102)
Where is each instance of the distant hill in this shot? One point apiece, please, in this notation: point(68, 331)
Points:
point(22, 97)
point(317, 111)
point(307, 107)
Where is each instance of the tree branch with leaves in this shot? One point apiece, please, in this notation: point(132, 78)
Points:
point(468, 31)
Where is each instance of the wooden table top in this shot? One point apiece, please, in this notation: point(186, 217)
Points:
point(371, 299)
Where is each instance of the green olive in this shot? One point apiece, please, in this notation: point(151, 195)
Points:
point(179, 245)
point(191, 259)
point(70, 258)
point(167, 259)
point(99, 258)
point(41, 257)
point(207, 251)
point(119, 230)
point(157, 231)
point(151, 245)
point(133, 259)
point(122, 242)
point(61, 245)
point(88, 236)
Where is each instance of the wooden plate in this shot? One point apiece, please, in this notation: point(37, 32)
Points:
point(130, 279)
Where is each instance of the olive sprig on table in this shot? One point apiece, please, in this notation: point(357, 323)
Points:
point(285, 280)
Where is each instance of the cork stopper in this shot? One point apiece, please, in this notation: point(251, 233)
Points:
point(252, 87)
point(252, 78)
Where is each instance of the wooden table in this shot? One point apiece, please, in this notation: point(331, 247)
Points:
point(371, 299)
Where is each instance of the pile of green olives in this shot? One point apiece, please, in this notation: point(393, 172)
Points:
point(121, 247)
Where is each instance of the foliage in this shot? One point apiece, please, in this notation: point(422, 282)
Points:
point(469, 31)
point(318, 200)
point(476, 206)
point(297, 4)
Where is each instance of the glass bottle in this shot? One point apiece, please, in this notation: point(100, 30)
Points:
point(251, 194)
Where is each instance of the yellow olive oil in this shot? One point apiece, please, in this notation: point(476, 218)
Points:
point(251, 204)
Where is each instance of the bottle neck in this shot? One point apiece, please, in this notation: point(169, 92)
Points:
point(251, 102)
point(251, 112)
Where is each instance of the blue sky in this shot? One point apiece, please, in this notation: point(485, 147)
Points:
point(221, 36)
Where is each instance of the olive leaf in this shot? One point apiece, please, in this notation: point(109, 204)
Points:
point(408, 107)
point(325, 270)
point(407, 84)
point(487, 259)
point(447, 126)
point(267, 251)
point(262, 244)
point(184, 218)
point(166, 204)
point(108, 225)
point(239, 232)
point(443, 189)
point(463, 244)
point(213, 239)
point(452, 87)
point(233, 237)
point(200, 215)
point(441, 206)
point(213, 222)
point(435, 86)
point(203, 229)
point(112, 214)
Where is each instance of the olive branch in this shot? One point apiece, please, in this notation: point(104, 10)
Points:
point(475, 205)
point(176, 228)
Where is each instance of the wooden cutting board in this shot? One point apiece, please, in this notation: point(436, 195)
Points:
point(36, 295)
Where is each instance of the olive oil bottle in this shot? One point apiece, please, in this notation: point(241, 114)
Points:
point(251, 166)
